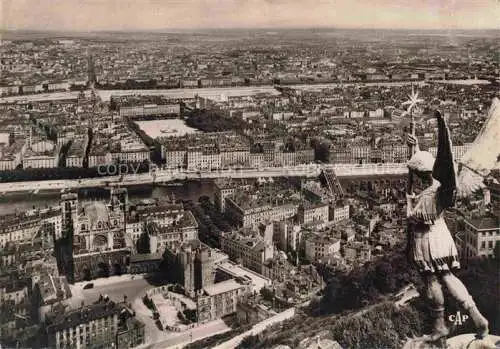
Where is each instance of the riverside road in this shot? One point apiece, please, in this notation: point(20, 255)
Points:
point(168, 175)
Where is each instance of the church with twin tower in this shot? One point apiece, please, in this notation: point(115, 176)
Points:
point(95, 232)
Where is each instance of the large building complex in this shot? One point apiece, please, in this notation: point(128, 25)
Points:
point(102, 325)
point(218, 300)
point(135, 106)
point(249, 208)
point(25, 228)
point(149, 110)
point(192, 265)
point(481, 235)
point(318, 247)
point(251, 248)
point(228, 149)
point(181, 227)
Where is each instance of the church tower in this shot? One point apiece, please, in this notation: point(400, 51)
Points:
point(119, 199)
point(91, 79)
point(69, 212)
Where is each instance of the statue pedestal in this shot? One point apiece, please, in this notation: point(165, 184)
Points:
point(469, 341)
point(464, 341)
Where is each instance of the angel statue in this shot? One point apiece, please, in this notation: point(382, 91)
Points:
point(431, 245)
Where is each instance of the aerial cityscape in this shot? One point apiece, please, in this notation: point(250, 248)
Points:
point(265, 187)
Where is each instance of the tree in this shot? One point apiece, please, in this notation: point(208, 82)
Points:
point(143, 243)
point(384, 277)
point(203, 198)
point(365, 284)
point(148, 303)
point(249, 342)
point(321, 150)
point(210, 121)
point(266, 294)
point(372, 330)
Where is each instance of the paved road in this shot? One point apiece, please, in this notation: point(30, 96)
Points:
point(203, 331)
point(407, 296)
point(114, 289)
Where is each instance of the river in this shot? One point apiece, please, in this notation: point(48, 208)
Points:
point(184, 93)
point(185, 191)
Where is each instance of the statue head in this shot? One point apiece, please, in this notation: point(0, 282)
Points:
point(422, 163)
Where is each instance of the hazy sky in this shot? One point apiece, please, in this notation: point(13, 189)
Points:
point(164, 14)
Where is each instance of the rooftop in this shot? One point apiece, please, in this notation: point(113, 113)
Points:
point(178, 220)
point(267, 196)
point(145, 257)
point(325, 239)
point(237, 271)
point(59, 321)
point(140, 100)
point(7, 221)
point(251, 240)
point(222, 287)
point(485, 223)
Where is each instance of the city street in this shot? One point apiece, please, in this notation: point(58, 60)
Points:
point(203, 331)
point(157, 339)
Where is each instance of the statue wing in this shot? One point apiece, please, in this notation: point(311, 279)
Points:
point(482, 156)
point(468, 182)
point(444, 166)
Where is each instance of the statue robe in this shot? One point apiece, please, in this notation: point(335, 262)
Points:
point(433, 248)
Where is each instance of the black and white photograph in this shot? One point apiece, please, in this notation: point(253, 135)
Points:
point(250, 174)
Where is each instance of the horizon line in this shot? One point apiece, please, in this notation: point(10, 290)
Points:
point(190, 29)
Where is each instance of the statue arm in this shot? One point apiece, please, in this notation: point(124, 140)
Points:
point(409, 227)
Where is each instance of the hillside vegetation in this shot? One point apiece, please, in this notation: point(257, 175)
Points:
point(358, 311)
